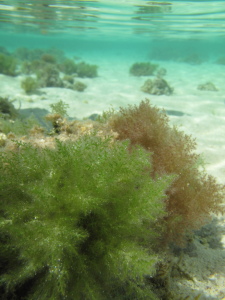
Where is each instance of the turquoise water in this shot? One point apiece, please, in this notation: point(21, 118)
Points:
point(185, 39)
point(184, 24)
point(165, 19)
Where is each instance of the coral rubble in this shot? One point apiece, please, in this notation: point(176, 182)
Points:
point(157, 86)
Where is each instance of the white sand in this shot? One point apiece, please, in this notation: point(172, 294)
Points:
point(204, 119)
point(205, 110)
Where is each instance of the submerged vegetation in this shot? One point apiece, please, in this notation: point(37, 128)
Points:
point(7, 109)
point(193, 195)
point(143, 69)
point(45, 68)
point(208, 86)
point(80, 69)
point(91, 212)
point(7, 64)
point(29, 84)
point(78, 221)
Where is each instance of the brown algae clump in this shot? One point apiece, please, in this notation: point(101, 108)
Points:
point(193, 195)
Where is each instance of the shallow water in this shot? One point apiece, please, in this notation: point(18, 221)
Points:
point(185, 39)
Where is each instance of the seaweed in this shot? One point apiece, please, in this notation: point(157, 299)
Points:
point(49, 58)
point(70, 83)
point(8, 65)
point(31, 67)
point(29, 84)
point(7, 109)
point(60, 108)
point(77, 221)
point(26, 54)
point(3, 50)
point(48, 76)
point(68, 79)
point(193, 195)
point(57, 115)
point(23, 54)
point(20, 126)
point(68, 66)
point(79, 86)
point(208, 86)
point(82, 69)
point(143, 69)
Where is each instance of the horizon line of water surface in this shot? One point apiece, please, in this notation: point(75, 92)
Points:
point(184, 19)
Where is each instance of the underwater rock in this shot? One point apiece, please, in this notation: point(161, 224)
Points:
point(208, 86)
point(158, 86)
point(211, 234)
point(37, 114)
point(176, 113)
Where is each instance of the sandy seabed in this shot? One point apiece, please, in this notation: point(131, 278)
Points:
point(201, 114)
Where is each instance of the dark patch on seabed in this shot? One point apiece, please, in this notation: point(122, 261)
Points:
point(176, 113)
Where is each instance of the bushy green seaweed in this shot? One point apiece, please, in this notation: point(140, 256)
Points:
point(32, 67)
point(59, 108)
point(82, 69)
point(68, 66)
point(143, 69)
point(48, 76)
point(49, 58)
point(79, 86)
point(77, 221)
point(86, 70)
point(29, 84)
point(8, 64)
point(7, 109)
point(26, 54)
point(19, 126)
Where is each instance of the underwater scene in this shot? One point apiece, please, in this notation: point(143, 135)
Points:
point(112, 150)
